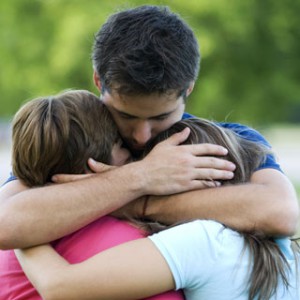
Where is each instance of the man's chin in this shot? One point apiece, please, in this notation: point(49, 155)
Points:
point(137, 152)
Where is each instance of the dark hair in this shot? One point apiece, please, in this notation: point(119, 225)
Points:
point(269, 264)
point(146, 50)
point(57, 134)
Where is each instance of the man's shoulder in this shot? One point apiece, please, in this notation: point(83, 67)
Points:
point(239, 128)
point(242, 130)
point(187, 116)
point(248, 133)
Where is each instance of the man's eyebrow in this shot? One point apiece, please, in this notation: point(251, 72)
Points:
point(153, 117)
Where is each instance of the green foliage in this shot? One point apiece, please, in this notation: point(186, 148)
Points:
point(250, 53)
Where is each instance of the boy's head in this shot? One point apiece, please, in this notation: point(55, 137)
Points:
point(57, 134)
point(146, 54)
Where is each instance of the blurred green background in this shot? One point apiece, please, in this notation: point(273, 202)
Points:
point(250, 53)
point(250, 67)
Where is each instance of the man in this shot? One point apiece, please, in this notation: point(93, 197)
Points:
point(146, 62)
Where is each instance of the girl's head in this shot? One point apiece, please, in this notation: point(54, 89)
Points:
point(57, 134)
point(245, 154)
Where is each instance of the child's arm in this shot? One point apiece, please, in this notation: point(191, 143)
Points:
point(130, 271)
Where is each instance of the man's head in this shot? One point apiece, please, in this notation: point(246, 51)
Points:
point(145, 53)
point(57, 134)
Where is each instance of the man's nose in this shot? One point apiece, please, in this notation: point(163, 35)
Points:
point(142, 133)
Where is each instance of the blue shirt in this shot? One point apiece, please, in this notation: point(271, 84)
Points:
point(249, 134)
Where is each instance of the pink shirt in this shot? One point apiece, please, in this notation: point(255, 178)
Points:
point(102, 234)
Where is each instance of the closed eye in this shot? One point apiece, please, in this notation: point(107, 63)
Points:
point(128, 117)
point(160, 118)
point(155, 118)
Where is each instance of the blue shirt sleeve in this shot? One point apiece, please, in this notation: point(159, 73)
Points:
point(10, 178)
point(253, 135)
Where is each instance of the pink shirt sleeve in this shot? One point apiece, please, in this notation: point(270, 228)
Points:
point(100, 235)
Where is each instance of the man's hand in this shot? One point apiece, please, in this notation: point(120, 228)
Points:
point(95, 167)
point(267, 204)
point(60, 209)
point(172, 168)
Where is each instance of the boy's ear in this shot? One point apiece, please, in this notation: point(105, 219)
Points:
point(190, 88)
point(96, 79)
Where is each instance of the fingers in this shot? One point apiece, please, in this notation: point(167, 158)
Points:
point(203, 184)
point(211, 183)
point(177, 138)
point(98, 167)
point(212, 174)
point(206, 149)
point(208, 183)
point(211, 162)
point(64, 178)
point(95, 166)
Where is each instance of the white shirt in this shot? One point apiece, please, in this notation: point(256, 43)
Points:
point(208, 262)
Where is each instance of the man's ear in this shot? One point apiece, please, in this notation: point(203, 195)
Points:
point(97, 81)
point(190, 88)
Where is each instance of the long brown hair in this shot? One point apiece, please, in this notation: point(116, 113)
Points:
point(245, 154)
point(269, 265)
point(57, 134)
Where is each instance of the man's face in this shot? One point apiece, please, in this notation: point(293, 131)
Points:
point(141, 118)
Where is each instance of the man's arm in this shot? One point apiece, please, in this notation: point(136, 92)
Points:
point(39, 215)
point(267, 204)
point(34, 216)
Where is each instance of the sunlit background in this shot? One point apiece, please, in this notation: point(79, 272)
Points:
point(250, 66)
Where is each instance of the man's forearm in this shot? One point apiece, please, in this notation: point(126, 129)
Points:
point(31, 217)
point(43, 214)
point(269, 205)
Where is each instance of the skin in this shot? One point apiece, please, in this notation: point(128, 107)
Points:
point(274, 193)
point(141, 118)
point(273, 210)
point(168, 170)
point(137, 125)
point(76, 204)
point(119, 155)
point(96, 278)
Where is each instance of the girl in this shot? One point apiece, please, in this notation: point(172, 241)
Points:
point(58, 134)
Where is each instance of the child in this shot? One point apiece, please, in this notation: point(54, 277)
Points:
point(58, 134)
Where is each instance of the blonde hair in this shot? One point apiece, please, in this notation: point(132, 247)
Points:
point(57, 134)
